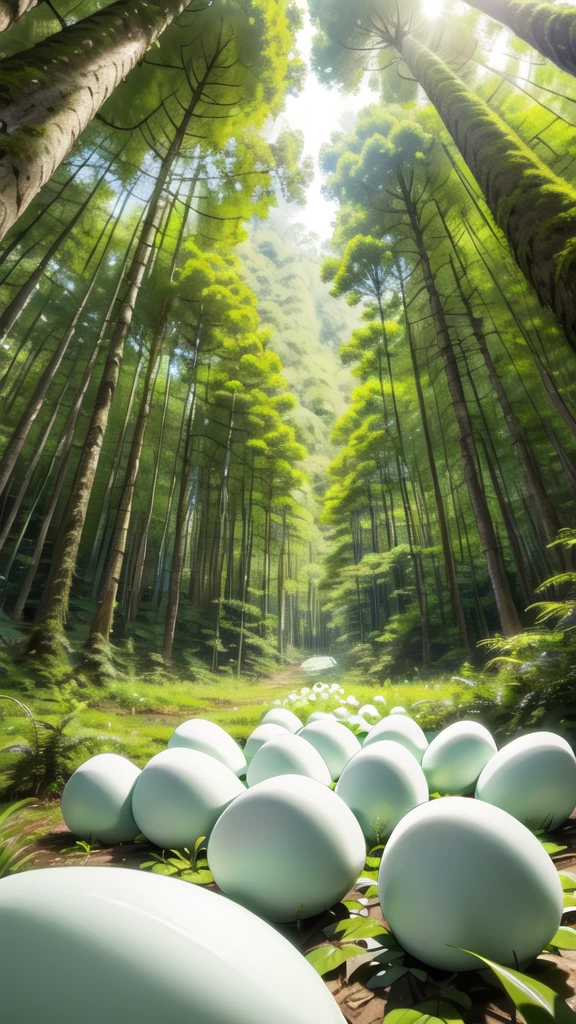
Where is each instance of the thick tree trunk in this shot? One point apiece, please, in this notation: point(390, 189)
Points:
point(13, 10)
point(68, 78)
point(549, 28)
point(509, 619)
point(535, 209)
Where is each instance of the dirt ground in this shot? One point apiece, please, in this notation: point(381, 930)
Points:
point(359, 1005)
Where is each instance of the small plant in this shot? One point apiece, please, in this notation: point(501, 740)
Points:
point(12, 842)
point(189, 866)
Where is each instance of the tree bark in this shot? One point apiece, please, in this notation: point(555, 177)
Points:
point(67, 79)
point(13, 10)
point(549, 28)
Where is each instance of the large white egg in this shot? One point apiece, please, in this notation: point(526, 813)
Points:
point(97, 799)
point(287, 755)
point(283, 717)
point(460, 874)
point(455, 758)
point(341, 713)
point(380, 785)
point(369, 711)
point(118, 946)
point(288, 849)
point(533, 778)
point(260, 735)
point(403, 730)
point(180, 795)
point(209, 738)
point(398, 710)
point(334, 742)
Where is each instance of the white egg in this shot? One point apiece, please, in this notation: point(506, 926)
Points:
point(379, 699)
point(260, 735)
point(454, 760)
point(97, 799)
point(287, 755)
point(341, 712)
point(180, 795)
point(458, 874)
point(281, 716)
point(533, 778)
point(318, 716)
point(403, 730)
point(369, 711)
point(398, 710)
point(119, 946)
point(288, 849)
point(209, 738)
point(380, 785)
point(334, 742)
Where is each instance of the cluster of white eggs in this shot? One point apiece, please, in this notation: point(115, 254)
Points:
point(456, 874)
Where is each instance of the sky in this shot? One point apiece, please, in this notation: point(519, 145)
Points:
point(318, 112)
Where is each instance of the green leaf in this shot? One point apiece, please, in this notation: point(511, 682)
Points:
point(387, 977)
point(565, 938)
point(328, 958)
point(430, 1012)
point(360, 928)
point(567, 882)
point(537, 1003)
point(552, 848)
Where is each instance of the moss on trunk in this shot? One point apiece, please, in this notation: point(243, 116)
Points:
point(549, 28)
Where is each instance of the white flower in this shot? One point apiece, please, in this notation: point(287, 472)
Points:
point(340, 689)
point(276, 703)
point(142, 699)
point(353, 702)
point(379, 700)
point(325, 696)
point(134, 694)
point(312, 696)
point(305, 691)
point(334, 688)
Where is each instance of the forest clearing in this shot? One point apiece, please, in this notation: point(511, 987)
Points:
point(288, 511)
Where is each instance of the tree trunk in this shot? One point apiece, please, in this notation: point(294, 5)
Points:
point(24, 340)
point(101, 625)
point(68, 78)
point(509, 619)
point(549, 28)
point(535, 209)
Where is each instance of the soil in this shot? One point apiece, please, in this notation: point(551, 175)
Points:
point(359, 1005)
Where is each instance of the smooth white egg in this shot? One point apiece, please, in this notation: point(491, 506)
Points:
point(260, 735)
point(118, 946)
point(369, 711)
point(334, 742)
point(380, 785)
point(403, 730)
point(459, 874)
point(341, 713)
point(287, 755)
point(281, 716)
point(97, 799)
point(318, 716)
point(398, 710)
point(288, 849)
point(180, 795)
point(209, 738)
point(455, 758)
point(533, 778)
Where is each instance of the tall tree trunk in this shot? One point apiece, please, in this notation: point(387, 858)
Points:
point(140, 561)
point(535, 209)
point(101, 625)
point(14, 308)
point(549, 28)
point(509, 619)
point(24, 339)
point(68, 78)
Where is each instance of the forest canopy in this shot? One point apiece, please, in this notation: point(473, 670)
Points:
point(226, 442)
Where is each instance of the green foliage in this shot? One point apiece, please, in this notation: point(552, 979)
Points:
point(13, 844)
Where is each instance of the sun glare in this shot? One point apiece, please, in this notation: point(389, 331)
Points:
point(432, 8)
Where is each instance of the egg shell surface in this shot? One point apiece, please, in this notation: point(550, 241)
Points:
point(209, 738)
point(334, 742)
point(459, 874)
point(369, 711)
point(283, 717)
point(341, 712)
point(380, 785)
point(260, 735)
point(402, 730)
point(130, 946)
point(97, 799)
point(180, 795)
point(533, 778)
point(288, 848)
point(318, 716)
point(398, 710)
point(455, 758)
point(287, 755)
